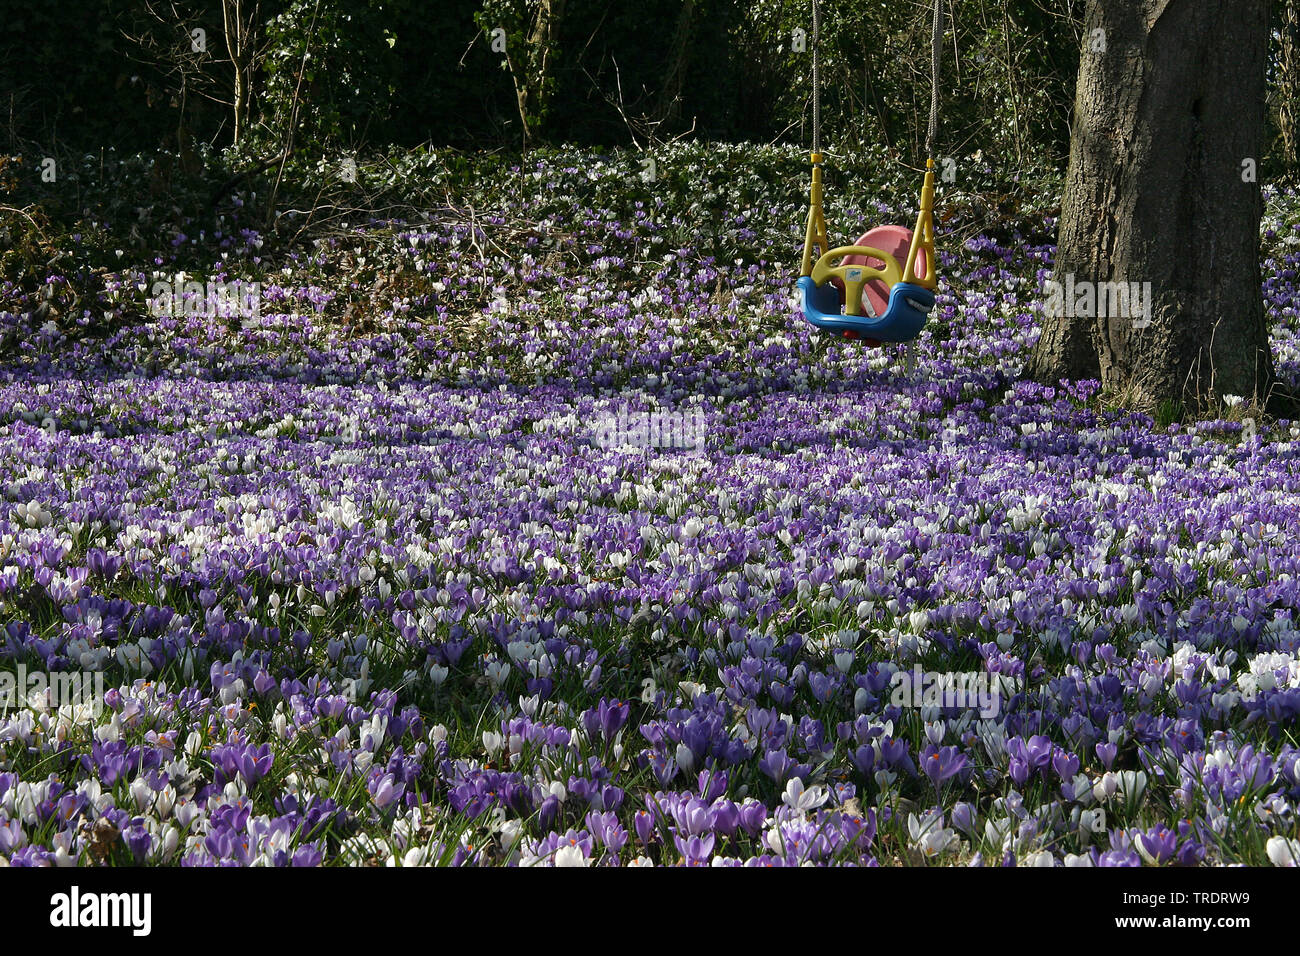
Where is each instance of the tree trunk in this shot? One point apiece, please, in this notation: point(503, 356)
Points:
point(1288, 81)
point(1162, 189)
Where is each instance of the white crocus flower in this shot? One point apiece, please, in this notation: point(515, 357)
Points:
point(1283, 852)
point(570, 856)
point(690, 690)
point(141, 793)
point(929, 835)
point(1106, 786)
point(685, 758)
point(1132, 784)
point(415, 856)
point(797, 798)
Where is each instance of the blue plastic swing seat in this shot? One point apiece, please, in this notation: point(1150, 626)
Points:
point(909, 307)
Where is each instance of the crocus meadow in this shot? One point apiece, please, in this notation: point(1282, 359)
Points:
point(365, 589)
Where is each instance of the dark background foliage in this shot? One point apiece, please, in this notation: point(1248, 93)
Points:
point(81, 76)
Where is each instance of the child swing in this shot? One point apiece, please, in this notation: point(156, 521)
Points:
point(859, 291)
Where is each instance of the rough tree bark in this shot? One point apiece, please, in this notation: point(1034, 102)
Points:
point(1168, 132)
point(1288, 80)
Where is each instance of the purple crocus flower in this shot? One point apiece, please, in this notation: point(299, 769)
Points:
point(712, 784)
point(307, 856)
point(606, 829)
point(1159, 844)
point(644, 824)
point(726, 817)
point(11, 836)
point(1019, 770)
point(1106, 754)
point(942, 763)
point(864, 759)
point(238, 760)
point(1125, 857)
point(894, 754)
point(606, 718)
point(694, 816)
point(384, 788)
point(695, 850)
point(776, 764)
point(548, 811)
point(1065, 764)
point(138, 841)
point(663, 767)
point(963, 817)
point(753, 816)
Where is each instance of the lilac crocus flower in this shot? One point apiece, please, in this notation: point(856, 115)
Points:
point(138, 841)
point(963, 817)
point(753, 816)
point(606, 829)
point(942, 763)
point(606, 718)
point(726, 817)
point(1106, 754)
point(644, 824)
point(384, 789)
point(776, 764)
point(1157, 845)
point(11, 836)
point(695, 850)
point(1065, 764)
point(1125, 857)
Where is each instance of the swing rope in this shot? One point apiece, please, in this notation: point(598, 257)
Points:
point(935, 62)
point(816, 78)
point(816, 235)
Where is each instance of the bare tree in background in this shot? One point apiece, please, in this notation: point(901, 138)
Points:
point(532, 69)
point(166, 40)
point(240, 23)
